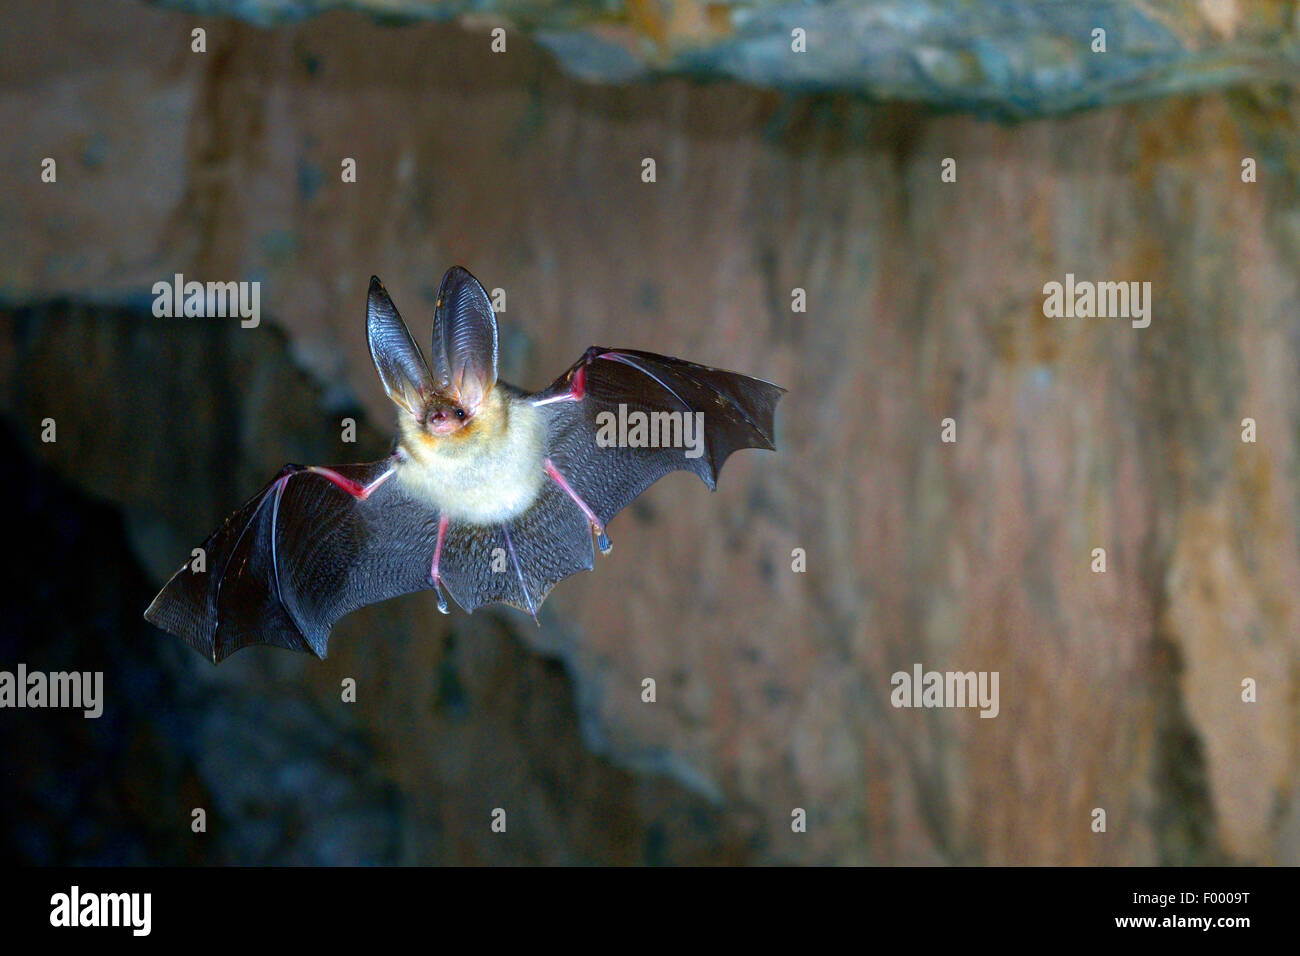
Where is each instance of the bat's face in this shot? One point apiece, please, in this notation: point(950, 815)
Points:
point(445, 416)
point(446, 402)
point(449, 423)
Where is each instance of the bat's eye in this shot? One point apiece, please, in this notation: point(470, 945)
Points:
point(460, 413)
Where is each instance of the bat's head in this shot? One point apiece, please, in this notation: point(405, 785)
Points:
point(459, 391)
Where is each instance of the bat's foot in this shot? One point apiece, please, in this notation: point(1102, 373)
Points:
point(434, 576)
point(598, 529)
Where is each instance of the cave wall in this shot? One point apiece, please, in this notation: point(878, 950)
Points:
point(1005, 58)
point(1118, 690)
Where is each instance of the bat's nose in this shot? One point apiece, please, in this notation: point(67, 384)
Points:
point(441, 423)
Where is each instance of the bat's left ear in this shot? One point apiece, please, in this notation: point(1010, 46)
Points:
point(464, 339)
point(397, 358)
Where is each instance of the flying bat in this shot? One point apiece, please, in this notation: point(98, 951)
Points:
point(491, 495)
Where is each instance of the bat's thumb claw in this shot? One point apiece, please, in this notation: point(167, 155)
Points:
point(603, 542)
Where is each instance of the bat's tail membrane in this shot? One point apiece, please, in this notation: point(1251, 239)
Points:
point(529, 604)
point(518, 564)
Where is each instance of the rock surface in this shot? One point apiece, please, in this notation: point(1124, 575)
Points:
point(1011, 58)
point(1118, 690)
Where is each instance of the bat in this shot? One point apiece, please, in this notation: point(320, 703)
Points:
point(491, 494)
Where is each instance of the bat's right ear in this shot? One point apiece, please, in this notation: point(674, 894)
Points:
point(397, 358)
point(464, 339)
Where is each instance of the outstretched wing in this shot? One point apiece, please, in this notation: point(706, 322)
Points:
point(311, 546)
point(735, 411)
point(552, 540)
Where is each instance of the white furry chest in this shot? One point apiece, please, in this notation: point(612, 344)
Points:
point(486, 483)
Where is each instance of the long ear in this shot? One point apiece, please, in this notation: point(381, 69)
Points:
point(397, 358)
point(464, 339)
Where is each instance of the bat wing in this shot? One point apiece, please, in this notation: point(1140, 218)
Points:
point(735, 411)
point(300, 554)
point(552, 540)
